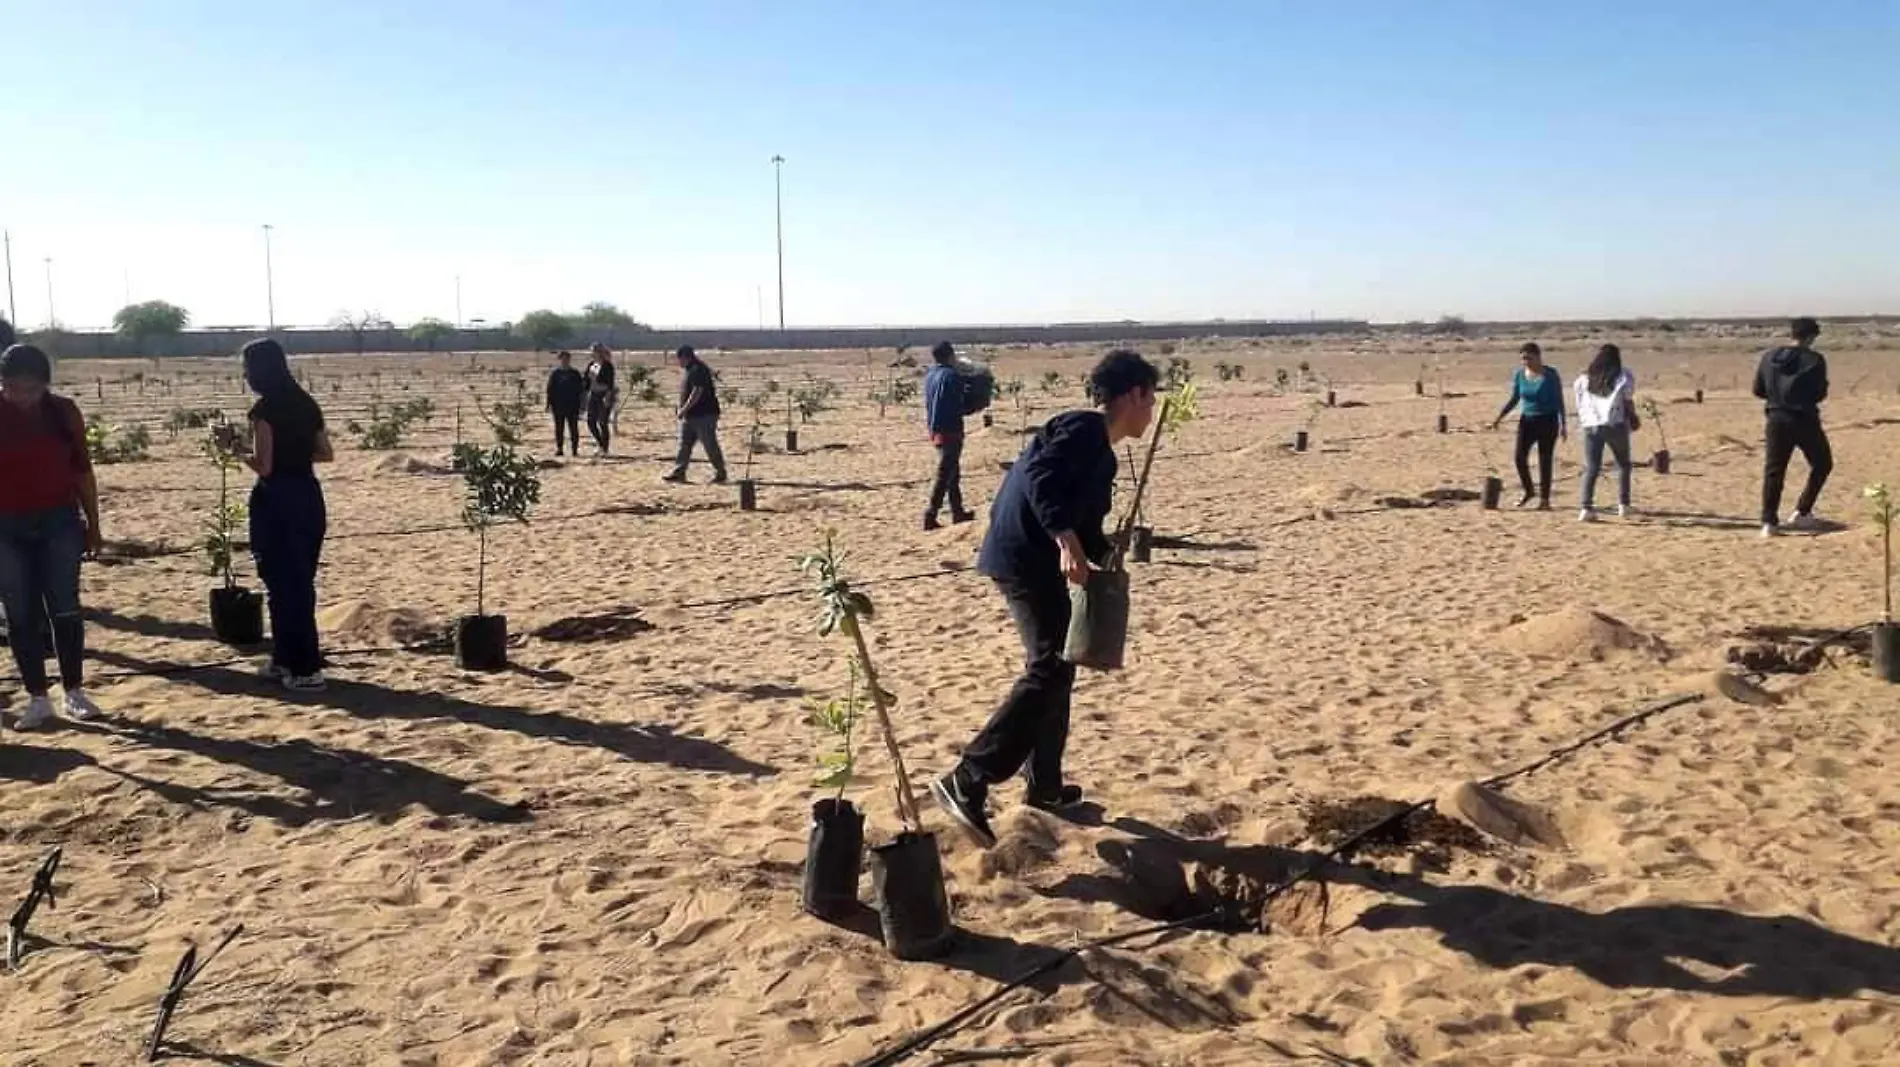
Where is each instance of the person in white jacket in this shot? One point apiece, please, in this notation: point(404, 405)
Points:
point(1606, 410)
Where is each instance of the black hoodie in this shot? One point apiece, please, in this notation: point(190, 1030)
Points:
point(1792, 380)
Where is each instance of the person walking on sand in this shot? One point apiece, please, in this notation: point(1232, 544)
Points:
point(1046, 534)
point(698, 416)
point(602, 393)
point(288, 515)
point(1606, 412)
point(49, 521)
point(943, 417)
point(1540, 422)
point(567, 391)
point(1792, 382)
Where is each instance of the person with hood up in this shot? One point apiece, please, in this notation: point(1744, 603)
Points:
point(1792, 382)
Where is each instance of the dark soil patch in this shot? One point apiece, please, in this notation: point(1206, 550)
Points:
point(1423, 833)
point(1354, 404)
point(607, 626)
point(1449, 496)
point(1799, 650)
point(1402, 502)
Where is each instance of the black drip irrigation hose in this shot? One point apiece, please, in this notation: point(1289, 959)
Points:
point(918, 1041)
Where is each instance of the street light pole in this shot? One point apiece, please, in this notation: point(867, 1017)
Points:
point(270, 285)
point(778, 207)
point(458, 301)
point(13, 312)
point(52, 319)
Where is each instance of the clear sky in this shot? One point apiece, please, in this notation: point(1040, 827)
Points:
point(954, 160)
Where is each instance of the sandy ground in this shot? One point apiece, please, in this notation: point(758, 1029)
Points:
point(594, 858)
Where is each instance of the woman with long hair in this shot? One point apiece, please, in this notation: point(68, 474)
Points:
point(49, 521)
point(1539, 388)
point(1606, 410)
point(288, 519)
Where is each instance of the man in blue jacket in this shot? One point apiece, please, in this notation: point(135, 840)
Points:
point(1046, 534)
point(943, 413)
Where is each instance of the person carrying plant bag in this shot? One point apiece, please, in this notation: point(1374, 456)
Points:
point(49, 521)
point(1046, 534)
point(288, 516)
point(1606, 411)
point(944, 405)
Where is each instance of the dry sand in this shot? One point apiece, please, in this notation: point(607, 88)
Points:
point(593, 858)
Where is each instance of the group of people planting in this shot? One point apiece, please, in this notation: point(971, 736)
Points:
point(1790, 379)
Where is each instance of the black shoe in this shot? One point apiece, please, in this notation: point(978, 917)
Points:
point(931, 523)
point(1061, 800)
point(1525, 500)
point(960, 517)
point(968, 814)
point(677, 478)
point(719, 479)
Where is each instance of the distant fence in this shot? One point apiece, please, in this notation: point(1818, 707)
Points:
point(105, 345)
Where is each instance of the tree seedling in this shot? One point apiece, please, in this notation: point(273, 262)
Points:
point(1178, 408)
point(499, 484)
point(221, 446)
point(1653, 412)
point(843, 609)
point(838, 719)
point(40, 890)
point(188, 970)
point(1884, 511)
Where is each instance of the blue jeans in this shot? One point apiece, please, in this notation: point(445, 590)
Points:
point(1594, 438)
point(288, 523)
point(39, 581)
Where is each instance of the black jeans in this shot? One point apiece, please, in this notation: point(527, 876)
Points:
point(1786, 432)
point(1032, 724)
point(570, 423)
point(288, 523)
point(1539, 430)
point(600, 409)
point(949, 481)
point(39, 580)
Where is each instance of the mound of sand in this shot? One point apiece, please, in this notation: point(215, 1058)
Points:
point(1579, 634)
point(1741, 690)
point(1319, 494)
point(397, 463)
point(367, 623)
point(1492, 813)
point(1028, 843)
point(1710, 444)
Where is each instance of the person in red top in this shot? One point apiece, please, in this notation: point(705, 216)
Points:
point(46, 483)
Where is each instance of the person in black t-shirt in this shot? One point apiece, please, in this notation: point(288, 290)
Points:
point(288, 517)
point(603, 393)
point(566, 392)
point(699, 416)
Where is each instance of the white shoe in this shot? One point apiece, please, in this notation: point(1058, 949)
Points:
point(271, 672)
point(1805, 522)
point(79, 706)
point(305, 683)
point(1587, 515)
point(1624, 511)
point(39, 712)
point(1770, 530)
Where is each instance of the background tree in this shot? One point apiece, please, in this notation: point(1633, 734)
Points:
point(601, 313)
point(430, 332)
point(153, 318)
point(545, 329)
point(359, 324)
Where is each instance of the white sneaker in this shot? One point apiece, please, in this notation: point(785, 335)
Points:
point(305, 683)
point(79, 706)
point(1587, 515)
point(1805, 522)
point(271, 672)
point(1770, 530)
point(1624, 511)
point(39, 712)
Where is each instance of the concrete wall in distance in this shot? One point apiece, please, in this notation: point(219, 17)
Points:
point(104, 345)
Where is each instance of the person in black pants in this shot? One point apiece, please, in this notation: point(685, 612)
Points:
point(566, 392)
point(288, 518)
point(1792, 381)
point(1540, 390)
point(602, 393)
point(943, 416)
point(1046, 534)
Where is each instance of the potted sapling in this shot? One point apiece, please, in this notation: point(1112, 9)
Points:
point(1493, 484)
point(1418, 383)
point(1660, 462)
point(499, 484)
point(834, 854)
point(1700, 381)
point(1303, 436)
point(1098, 616)
point(1444, 417)
point(907, 873)
point(1886, 634)
point(237, 613)
point(754, 441)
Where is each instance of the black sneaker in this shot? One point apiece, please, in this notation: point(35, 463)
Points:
point(970, 816)
point(960, 517)
point(1063, 799)
point(719, 479)
point(931, 523)
point(1525, 500)
point(677, 478)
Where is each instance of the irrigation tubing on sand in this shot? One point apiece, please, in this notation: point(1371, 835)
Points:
point(923, 1038)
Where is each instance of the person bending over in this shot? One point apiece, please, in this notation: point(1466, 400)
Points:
point(567, 391)
point(1045, 535)
point(1792, 381)
point(1540, 389)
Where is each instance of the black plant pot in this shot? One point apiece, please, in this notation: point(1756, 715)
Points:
point(1098, 621)
point(237, 616)
point(1141, 543)
point(748, 495)
point(1887, 652)
point(1444, 424)
point(1493, 489)
point(481, 642)
point(1332, 399)
point(1418, 388)
point(912, 907)
point(988, 420)
point(1299, 440)
point(791, 440)
point(1698, 396)
point(833, 857)
point(1660, 462)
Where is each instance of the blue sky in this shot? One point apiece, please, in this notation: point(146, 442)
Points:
point(954, 162)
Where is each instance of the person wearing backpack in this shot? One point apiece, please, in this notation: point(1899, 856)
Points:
point(944, 408)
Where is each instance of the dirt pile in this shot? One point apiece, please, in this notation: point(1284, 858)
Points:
point(1493, 814)
point(1578, 634)
point(362, 622)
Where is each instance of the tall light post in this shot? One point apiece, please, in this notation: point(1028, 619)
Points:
point(13, 312)
point(458, 301)
point(270, 285)
point(51, 319)
point(778, 209)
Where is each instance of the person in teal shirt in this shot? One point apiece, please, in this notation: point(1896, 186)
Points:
point(1537, 392)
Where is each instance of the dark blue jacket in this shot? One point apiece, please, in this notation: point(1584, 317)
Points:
point(943, 401)
point(1064, 480)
